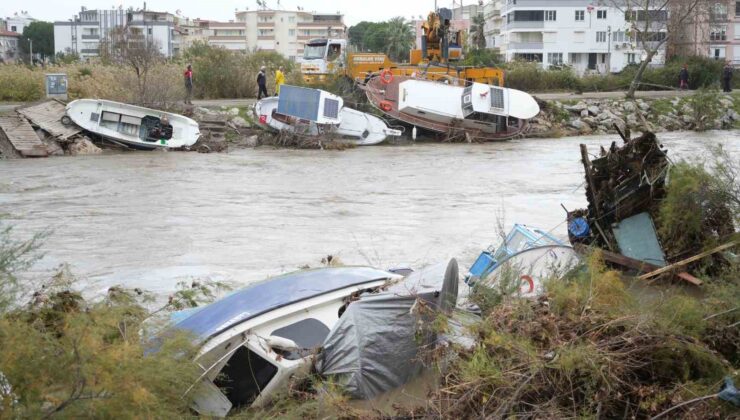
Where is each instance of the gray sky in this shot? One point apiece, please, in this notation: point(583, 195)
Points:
point(354, 10)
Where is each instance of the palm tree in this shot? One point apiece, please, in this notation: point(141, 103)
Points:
point(478, 32)
point(399, 38)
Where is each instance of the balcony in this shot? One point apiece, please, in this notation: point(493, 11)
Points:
point(90, 51)
point(265, 24)
point(322, 24)
point(525, 45)
point(90, 36)
point(266, 37)
point(525, 24)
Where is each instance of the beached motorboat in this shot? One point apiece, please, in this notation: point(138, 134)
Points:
point(481, 112)
point(525, 258)
point(133, 126)
point(357, 127)
point(255, 339)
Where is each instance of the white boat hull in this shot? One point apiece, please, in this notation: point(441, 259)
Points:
point(127, 124)
point(357, 127)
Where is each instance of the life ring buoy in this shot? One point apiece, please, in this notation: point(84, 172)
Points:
point(386, 77)
point(386, 106)
point(529, 280)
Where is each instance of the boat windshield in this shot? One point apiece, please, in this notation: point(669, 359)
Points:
point(314, 51)
point(244, 377)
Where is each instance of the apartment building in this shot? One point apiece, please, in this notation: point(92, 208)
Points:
point(8, 46)
point(588, 35)
point(494, 22)
point(18, 22)
point(287, 32)
point(90, 30)
point(713, 32)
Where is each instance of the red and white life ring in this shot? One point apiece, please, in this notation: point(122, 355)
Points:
point(386, 77)
point(530, 282)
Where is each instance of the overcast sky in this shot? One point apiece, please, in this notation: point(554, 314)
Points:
point(354, 10)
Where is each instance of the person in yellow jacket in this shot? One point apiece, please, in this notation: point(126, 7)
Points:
point(279, 79)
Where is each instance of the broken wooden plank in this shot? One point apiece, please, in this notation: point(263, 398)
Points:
point(21, 135)
point(688, 260)
point(639, 266)
point(48, 116)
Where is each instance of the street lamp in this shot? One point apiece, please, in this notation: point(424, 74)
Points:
point(609, 49)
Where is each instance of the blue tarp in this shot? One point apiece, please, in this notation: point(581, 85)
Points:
point(274, 293)
point(299, 102)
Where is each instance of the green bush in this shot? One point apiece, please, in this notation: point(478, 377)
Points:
point(220, 73)
point(20, 84)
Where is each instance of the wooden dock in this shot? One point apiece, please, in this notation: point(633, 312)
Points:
point(19, 133)
point(48, 116)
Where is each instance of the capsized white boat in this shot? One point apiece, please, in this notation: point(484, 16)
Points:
point(133, 126)
point(254, 340)
point(354, 126)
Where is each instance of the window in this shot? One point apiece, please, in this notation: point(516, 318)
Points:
point(291, 32)
point(555, 59)
point(12, 29)
point(527, 16)
point(534, 57)
point(244, 376)
point(580, 15)
point(619, 36)
point(718, 53)
point(631, 58)
point(148, 31)
point(600, 36)
point(737, 8)
point(551, 15)
point(291, 19)
point(718, 12)
point(601, 14)
point(718, 33)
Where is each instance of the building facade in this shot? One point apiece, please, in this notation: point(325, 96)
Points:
point(713, 32)
point(287, 32)
point(91, 31)
point(494, 22)
point(9, 46)
point(591, 38)
point(18, 22)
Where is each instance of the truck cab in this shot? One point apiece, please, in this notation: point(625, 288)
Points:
point(322, 57)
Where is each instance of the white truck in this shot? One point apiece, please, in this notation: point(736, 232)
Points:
point(322, 57)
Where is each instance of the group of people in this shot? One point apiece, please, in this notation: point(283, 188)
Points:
point(261, 83)
point(727, 71)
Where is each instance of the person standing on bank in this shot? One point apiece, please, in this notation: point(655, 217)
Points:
point(727, 77)
point(189, 84)
point(683, 77)
point(279, 80)
point(262, 84)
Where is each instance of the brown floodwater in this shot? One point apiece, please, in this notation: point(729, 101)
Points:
point(152, 219)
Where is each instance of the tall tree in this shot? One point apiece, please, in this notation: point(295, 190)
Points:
point(137, 51)
point(42, 36)
point(399, 38)
point(478, 31)
point(653, 24)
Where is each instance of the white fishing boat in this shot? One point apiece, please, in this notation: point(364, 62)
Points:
point(133, 126)
point(484, 112)
point(256, 339)
point(310, 119)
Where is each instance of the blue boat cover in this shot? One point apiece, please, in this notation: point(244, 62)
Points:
point(299, 102)
point(259, 298)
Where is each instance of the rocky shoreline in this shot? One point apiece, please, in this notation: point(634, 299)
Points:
point(598, 116)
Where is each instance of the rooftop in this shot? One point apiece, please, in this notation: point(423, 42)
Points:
point(9, 33)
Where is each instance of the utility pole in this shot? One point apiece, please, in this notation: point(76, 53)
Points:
point(30, 43)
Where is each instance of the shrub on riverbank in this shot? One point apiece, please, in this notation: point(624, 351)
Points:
point(20, 84)
point(67, 356)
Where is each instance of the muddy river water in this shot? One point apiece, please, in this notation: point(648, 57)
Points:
point(150, 219)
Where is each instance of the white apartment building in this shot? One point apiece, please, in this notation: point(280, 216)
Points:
point(18, 22)
point(90, 31)
point(494, 22)
point(287, 32)
point(8, 46)
point(586, 34)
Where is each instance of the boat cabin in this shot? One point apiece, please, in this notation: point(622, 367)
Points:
point(149, 129)
point(313, 105)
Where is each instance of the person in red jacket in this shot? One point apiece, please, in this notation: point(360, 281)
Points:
point(189, 84)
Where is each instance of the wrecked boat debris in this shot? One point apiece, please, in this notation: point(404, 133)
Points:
point(526, 257)
point(320, 114)
point(477, 111)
